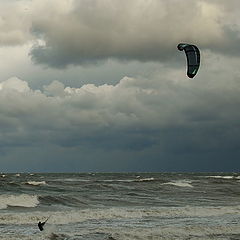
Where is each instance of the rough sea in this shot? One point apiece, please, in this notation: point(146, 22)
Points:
point(121, 206)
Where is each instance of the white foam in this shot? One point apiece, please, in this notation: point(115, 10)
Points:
point(118, 180)
point(145, 179)
point(222, 177)
point(77, 216)
point(35, 183)
point(71, 180)
point(180, 183)
point(22, 200)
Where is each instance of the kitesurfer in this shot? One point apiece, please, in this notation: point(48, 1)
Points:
point(41, 224)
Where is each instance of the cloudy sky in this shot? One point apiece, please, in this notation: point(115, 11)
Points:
point(99, 85)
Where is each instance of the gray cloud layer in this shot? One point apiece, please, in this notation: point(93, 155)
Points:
point(175, 124)
point(86, 32)
point(91, 31)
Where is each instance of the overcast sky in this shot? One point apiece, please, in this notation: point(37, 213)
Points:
point(99, 85)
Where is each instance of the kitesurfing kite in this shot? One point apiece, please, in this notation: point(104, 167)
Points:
point(193, 58)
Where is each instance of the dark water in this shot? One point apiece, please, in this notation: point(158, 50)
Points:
point(120, 206)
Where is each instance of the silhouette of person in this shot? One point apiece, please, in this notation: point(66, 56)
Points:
point(40, 225)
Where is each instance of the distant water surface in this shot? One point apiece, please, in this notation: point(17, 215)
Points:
point(121, 206)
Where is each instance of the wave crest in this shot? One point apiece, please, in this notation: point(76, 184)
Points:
point(22, 200)
point(224, 177)
point(35, 183)
point(179, 183)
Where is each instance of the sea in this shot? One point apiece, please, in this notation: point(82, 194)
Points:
point(120, 206)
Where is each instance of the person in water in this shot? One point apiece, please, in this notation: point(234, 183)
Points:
point(40, 225)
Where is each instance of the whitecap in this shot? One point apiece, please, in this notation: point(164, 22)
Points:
point(221, 177)
point(145, 179)
point(22, 200)
point(35, 183)
point(117, 180)
point(138, 179)
point(83, 215)
point(179, 183)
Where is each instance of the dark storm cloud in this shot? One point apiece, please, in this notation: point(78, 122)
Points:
point(155, 120)
point(88, 32)
point(92, 31)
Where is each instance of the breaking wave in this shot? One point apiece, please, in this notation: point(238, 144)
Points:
point(179, 183)
point(35, 183)
point(22, 200)
point(77, 216)
point(145, 179)
point(224, 177)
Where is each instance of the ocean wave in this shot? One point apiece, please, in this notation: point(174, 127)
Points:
point(224, 177)
point(116, 180)
point(62, 200)
point(180, 183)
point(35, 183)
point(145, 179)
point(78, 216)
point(194, 232)
point(22, 200)
point(127, 180)
point(138, 213)
point(190, 231)
point(71, 180)
point(221, 177)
